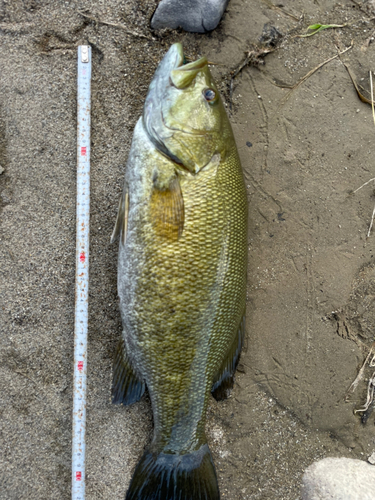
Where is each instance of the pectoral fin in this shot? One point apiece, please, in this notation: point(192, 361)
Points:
point(167, 208)
point(127, 388)
point(224, 379)
point(121, 224)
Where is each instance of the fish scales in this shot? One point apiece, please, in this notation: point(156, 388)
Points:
point(181, 278)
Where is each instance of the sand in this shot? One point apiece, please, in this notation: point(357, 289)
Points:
point(311, 280)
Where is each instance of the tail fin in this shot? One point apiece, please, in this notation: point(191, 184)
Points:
point(175, 477)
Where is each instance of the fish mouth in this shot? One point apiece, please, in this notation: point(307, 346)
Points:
point(172, 74)
point(181, 77)
point(185, 73)
point(175, 60)
point(172, 60)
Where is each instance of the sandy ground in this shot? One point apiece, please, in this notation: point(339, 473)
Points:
point(311, 269)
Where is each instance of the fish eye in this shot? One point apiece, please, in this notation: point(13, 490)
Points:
point(209, 95)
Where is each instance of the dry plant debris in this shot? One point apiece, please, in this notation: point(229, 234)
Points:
point(281, 10)
point(253, 58)
point(362, 97)
point(367, 407)
point(360, 375)
point(373, 179)
point(311, 72)
point(115, 25)
point(370, 394)
point(270, 41)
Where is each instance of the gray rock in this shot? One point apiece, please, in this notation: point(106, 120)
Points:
point(371, 458)
point(339, 479)
point(198, 16)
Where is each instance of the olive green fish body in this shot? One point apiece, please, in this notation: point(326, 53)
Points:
point(181, 274)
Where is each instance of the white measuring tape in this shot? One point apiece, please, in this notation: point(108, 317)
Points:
point(82, 272)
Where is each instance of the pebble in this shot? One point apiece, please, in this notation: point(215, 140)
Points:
point(339, 479)
point(198, 16)
point(1, 170)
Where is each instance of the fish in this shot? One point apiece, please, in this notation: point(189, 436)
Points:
point(182, 263)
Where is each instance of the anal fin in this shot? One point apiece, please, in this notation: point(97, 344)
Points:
point(126, 386)
point(224, 379)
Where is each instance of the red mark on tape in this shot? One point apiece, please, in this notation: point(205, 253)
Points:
point(82, 257)
point(78, 475)
point(83, 151)
point(80, 366)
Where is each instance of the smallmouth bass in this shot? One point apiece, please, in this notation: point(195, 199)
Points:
point(182, 223)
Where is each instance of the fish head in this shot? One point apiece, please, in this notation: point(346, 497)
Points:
point(183, 113)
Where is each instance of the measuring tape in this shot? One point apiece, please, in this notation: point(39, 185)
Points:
point(82, 272)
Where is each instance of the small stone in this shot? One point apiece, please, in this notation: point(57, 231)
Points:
point(338, 479)
point(1, 170)
point(198, 16)
point(270, 36)
point(371, 458)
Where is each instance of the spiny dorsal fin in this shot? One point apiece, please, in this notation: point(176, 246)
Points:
point(126, 386)
point(167, 208)
point(121, 224)
point(224, 379)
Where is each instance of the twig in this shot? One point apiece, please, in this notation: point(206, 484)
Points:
point(359, 377)
point(311, 72)
point(373, 116)
point(282, 11)
point(253, 57)
point(373, 212)
point(360, 95)
point(363, 185)
point(370, 394)
point(367, 414)
point(371, 223)
point(372, 98)
point(114, 25)
point(373, 179)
